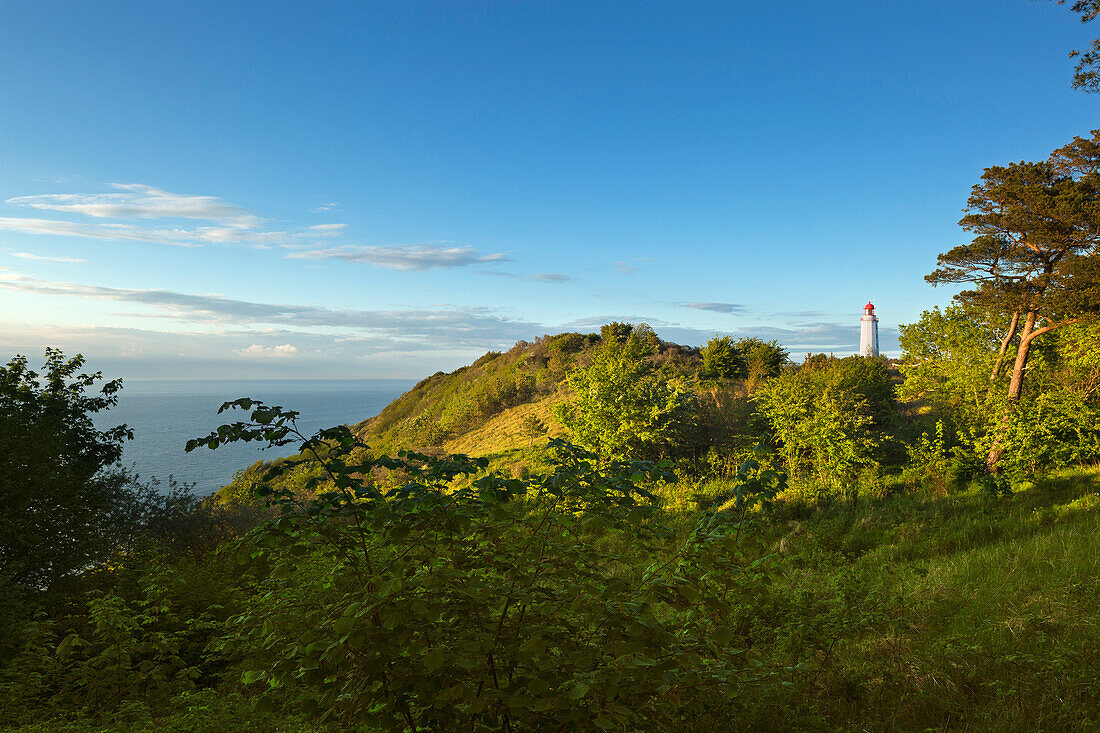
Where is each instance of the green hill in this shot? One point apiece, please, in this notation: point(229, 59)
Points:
point(500, 402)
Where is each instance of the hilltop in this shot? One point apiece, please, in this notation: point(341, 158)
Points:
point(502, 401)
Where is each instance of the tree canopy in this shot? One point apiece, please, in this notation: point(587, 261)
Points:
point(62, 508)
point(1034, 253)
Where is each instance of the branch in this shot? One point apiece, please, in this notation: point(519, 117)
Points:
point(1044, 329)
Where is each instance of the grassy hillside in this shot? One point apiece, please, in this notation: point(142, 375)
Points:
point(500, 402)
point(916, 612)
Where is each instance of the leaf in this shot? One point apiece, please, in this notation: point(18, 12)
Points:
point(579, 690)
point(252, 676)
point(723, 634)
point(434, 659)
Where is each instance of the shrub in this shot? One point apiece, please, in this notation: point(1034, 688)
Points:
point(624, 406)
point(465, 600)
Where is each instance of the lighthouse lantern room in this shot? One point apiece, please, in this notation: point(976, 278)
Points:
point(868, 332)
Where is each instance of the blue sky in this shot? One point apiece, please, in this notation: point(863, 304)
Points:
point(365, 189)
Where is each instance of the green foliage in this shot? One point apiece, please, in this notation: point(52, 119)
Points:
point(763, 359)
point(462, 599)
point(929, 462)
point(128, 651)
point(616, 332)
point(1055, 429)
point(948, 356)
point(582, 595)
point(624, 406)
point(829, 418)
point(446, 407)
point(61, 508)
point(948, 359)
point(722, 359)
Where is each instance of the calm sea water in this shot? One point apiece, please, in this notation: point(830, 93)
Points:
point(164, 414)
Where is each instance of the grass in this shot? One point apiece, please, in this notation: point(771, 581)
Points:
point(953, 613)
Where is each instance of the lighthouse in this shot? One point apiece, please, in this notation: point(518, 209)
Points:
point(868, 332)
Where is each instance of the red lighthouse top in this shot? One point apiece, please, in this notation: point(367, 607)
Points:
point(869, 309)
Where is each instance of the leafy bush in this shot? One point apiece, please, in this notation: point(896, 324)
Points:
point(1055, 429)
point(722, 359)
point(461, 599)
point(825, 434)
point(624, 406)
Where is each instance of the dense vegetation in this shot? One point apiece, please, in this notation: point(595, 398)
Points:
point(819, 548)
point(723, 539)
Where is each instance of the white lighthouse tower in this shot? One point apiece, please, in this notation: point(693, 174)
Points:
point(868, 332)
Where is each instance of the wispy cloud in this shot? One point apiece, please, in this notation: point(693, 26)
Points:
point(111, 232)
point(138, 201)
point(438, 328)
point(330, 206)
point(281, 351)
point(802, 314)
point(550, 277)
point(177, 237)
point(225, 223)
point(412, 257)
point(717, 307)
point(539, 277)
point(601, 320)
point(629, 267)
point(44, 258)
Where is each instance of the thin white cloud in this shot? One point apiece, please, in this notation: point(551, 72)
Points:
point(330, 206)
point(539, 277)
point(45, 258)
point(629, 267)
point(412, 257)
point(112, 232)
point(175, 237)
point(717, 307)
point(138, 201)
point(268, 352)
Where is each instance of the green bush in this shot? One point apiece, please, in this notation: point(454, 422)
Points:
point(461, 599)
point(624, 406)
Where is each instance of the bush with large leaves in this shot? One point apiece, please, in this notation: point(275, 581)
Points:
point(454, 598)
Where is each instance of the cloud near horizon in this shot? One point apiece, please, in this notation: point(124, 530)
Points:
point(442, 328)
point(258, 350)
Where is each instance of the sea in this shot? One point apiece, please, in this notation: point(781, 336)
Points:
point(165, 414)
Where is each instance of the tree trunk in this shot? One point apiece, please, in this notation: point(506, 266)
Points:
point(1015, 387)
point(999, 366)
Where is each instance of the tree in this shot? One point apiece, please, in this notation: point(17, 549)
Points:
point(947, 358)
point(763, 359)
point(624, 406)
point(62, 505)
point(1086, 76)
point(1037, 229)
point(722, 359)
